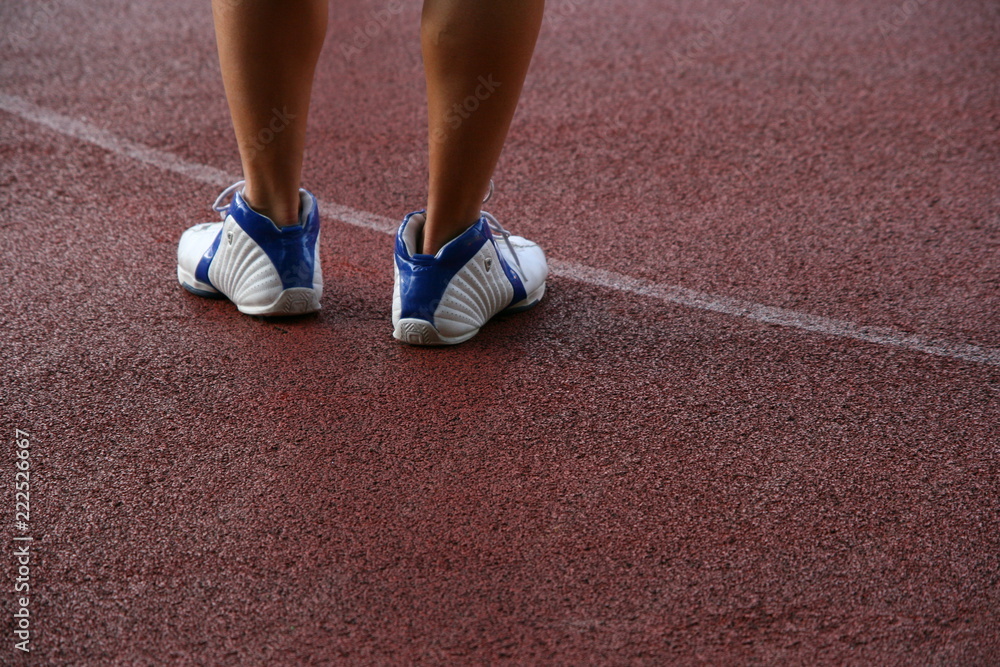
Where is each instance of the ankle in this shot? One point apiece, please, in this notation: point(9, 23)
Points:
point(438, 231)
point(282, 210)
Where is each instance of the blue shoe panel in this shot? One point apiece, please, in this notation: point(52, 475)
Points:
point(290, 249)
point(201, 271)
point(520, 294)
point(423, 279)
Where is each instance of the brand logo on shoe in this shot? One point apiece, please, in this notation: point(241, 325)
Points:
point(489, 263)
point(229, 237)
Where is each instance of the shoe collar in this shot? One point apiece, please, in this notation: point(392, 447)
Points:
point(307, 205)
point(409, 233)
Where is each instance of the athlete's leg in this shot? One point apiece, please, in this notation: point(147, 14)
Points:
point(268, 51)
point(476, 55)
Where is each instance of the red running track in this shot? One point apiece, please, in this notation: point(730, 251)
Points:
point(613, 478)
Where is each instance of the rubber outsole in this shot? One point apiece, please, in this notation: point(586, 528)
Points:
point(413, 331)
point(422, 332)
point(292, 301)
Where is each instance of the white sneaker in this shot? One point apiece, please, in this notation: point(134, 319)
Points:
point(262, 268)
point(444, 299)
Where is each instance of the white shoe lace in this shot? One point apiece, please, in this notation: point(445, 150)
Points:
point(497, 228)
point(219, 204)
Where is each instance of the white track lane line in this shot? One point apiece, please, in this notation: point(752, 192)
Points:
point(570, 270)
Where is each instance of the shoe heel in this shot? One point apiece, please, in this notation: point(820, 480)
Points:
point(292, 301)
point(297, 301)
point(421, 332)
point(417, 332)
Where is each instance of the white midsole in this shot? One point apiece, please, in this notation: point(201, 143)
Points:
point(292, 301)
point(188, 279)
